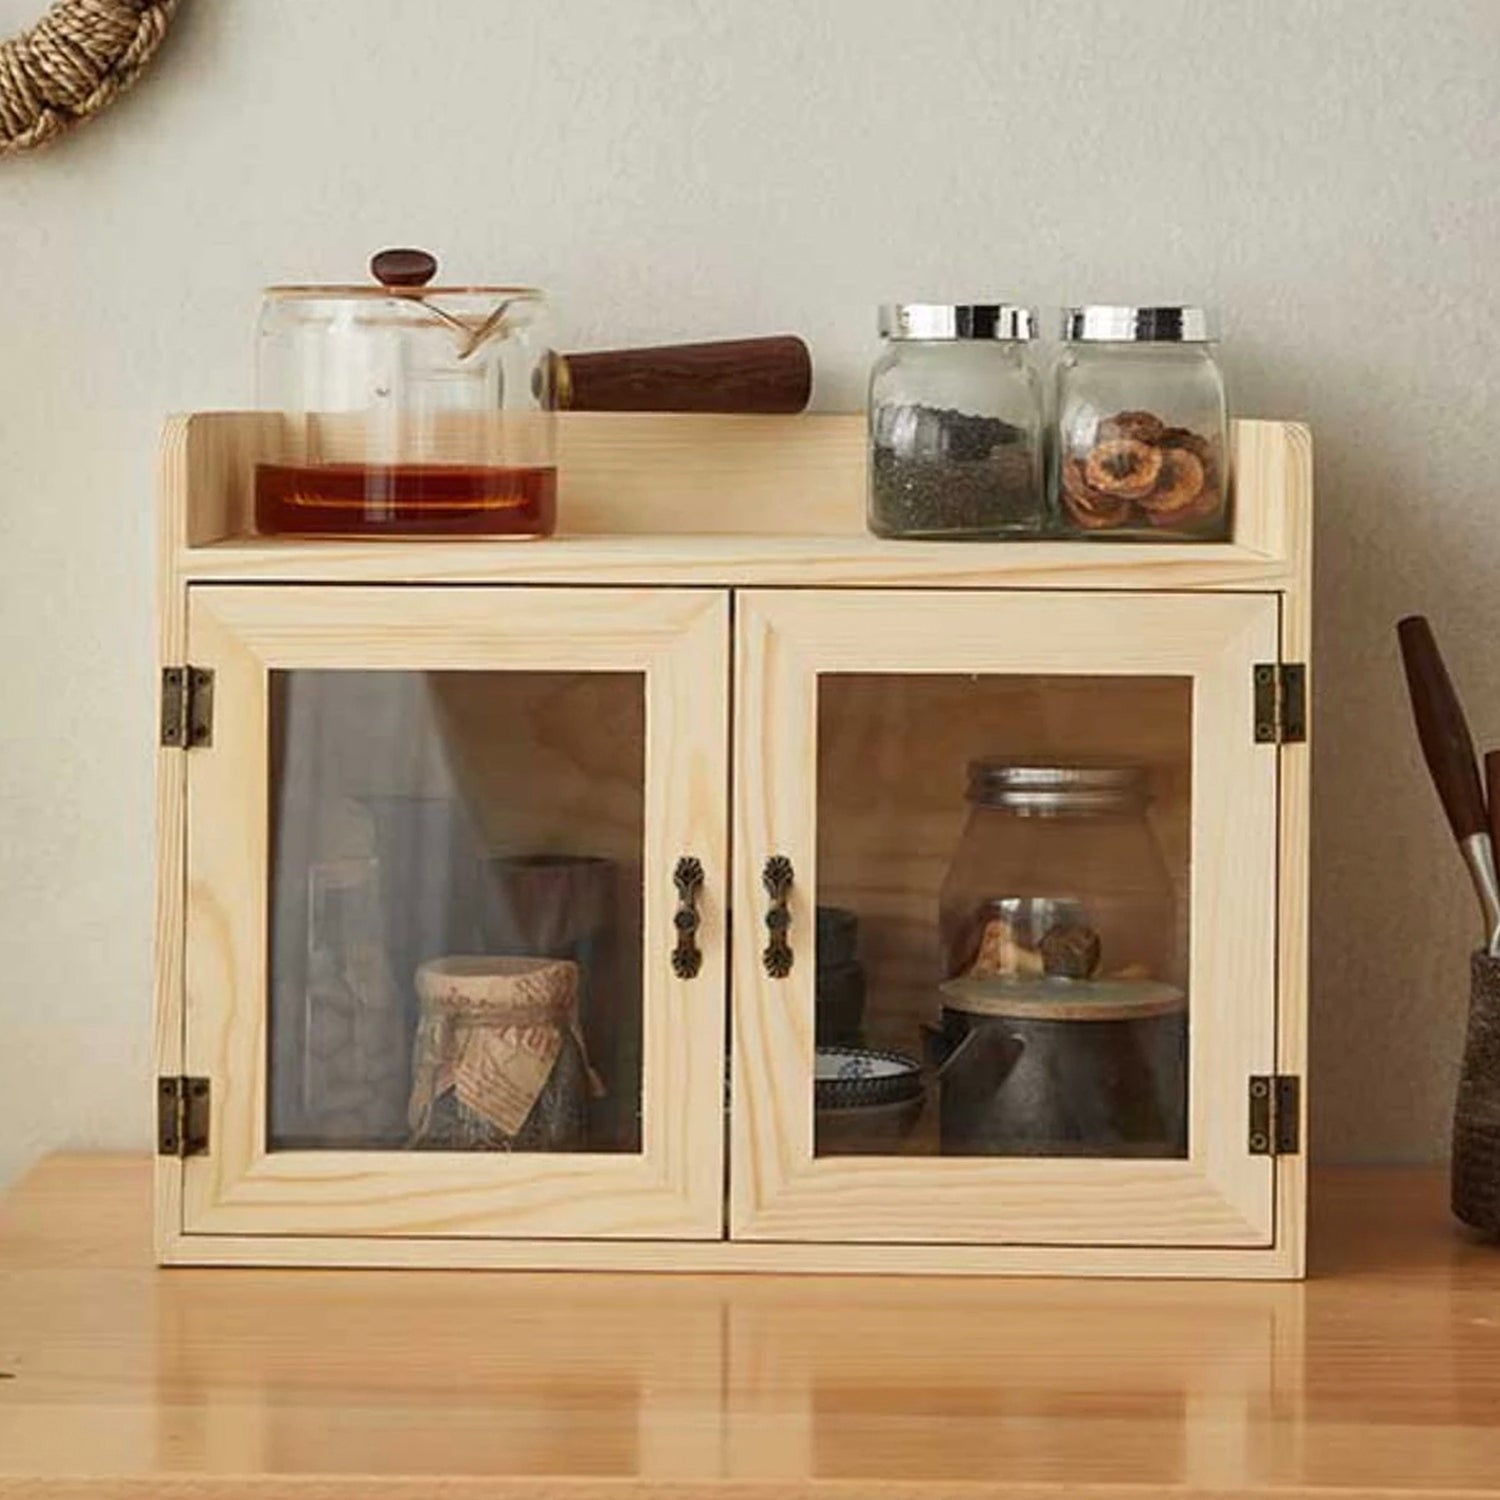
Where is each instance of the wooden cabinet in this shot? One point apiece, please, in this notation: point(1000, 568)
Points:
point(450, 836)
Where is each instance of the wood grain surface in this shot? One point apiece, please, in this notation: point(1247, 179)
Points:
point(786, 643)
point(717, 502)
point(1285, 469)
point(649, 477)
point(677, 640)
point(1380, 1376)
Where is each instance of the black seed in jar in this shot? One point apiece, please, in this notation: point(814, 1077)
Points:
point(936, 472)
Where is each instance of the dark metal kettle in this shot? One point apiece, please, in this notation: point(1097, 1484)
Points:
point(1025, 1086)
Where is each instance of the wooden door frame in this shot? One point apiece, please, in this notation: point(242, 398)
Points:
point(672, 1189)
point(1220, 1197)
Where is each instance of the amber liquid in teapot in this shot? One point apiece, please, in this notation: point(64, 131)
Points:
point(397, 500)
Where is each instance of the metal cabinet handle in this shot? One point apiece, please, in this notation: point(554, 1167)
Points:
point(687, 957)
point(777, 879)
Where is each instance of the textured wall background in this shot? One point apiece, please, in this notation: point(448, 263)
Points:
point(1328, 173)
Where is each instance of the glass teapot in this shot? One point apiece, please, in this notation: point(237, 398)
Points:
point(409, 409)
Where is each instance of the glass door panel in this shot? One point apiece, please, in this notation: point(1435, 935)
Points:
point(1011, 858)
point(433, 972)
point(1003, 914)
point(456, 902)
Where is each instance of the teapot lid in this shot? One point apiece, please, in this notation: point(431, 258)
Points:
point(403, 271)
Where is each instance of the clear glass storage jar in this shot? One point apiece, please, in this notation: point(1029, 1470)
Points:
point(1142, 440)
point(956, 424)
point(1061, 853)
point(409, 409)
point(1064, 1010)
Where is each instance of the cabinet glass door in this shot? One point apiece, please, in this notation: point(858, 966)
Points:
point(433, 857)
point(1008, 865)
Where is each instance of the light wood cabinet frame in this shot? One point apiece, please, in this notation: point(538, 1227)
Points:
point(698, 516)
point(677, 640)
point(1218, 1196)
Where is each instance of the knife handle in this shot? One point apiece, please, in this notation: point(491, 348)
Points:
point(739, 375)
point(1492, 786)
point(1446, 743)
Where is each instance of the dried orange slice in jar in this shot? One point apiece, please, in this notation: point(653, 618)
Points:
point(1126, 468)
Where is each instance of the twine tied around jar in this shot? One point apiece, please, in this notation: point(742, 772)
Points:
point(75, 61)
point(491, 1032)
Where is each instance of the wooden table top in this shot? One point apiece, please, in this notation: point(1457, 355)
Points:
point(1380, 1374)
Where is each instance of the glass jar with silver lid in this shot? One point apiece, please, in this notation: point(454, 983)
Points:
point(1142, 439)
point(1065, 1006)
point(956, 423)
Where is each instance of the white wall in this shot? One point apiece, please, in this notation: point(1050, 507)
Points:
point(1328, 174)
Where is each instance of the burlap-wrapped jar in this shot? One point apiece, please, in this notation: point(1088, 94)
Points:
point(499, 1062)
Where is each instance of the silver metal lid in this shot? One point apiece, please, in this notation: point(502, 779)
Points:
point(1030, 788)
point(1097, 324)
point(957, 320)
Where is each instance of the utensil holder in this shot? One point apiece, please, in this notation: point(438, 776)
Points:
point(1476, 1114)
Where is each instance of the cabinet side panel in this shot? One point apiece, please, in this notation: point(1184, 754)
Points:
point(1293, 480)
point(171, 773)
point(1262, 521)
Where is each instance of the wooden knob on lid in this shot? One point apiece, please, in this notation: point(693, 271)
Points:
point(403, 267)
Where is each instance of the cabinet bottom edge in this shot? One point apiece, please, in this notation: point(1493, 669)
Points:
point(730, 1257)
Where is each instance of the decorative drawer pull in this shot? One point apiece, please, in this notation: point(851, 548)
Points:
point(687, 957)
point(777, 879)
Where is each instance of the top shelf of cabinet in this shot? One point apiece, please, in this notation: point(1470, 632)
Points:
point(670, 499)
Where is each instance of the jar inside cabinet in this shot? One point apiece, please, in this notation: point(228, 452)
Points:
point(1063, 1010)
point(956, 426)
point(1142, 440)
point(1023, 917)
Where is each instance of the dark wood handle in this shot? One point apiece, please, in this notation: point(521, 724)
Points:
point(1492, 787)
point(1446, 743)
point(744, 375)
point(403, 267)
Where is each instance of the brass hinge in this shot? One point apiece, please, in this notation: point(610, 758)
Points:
point(187, 707)
point(182, 1109)
point(1280, 703)
point(1275, 1114)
